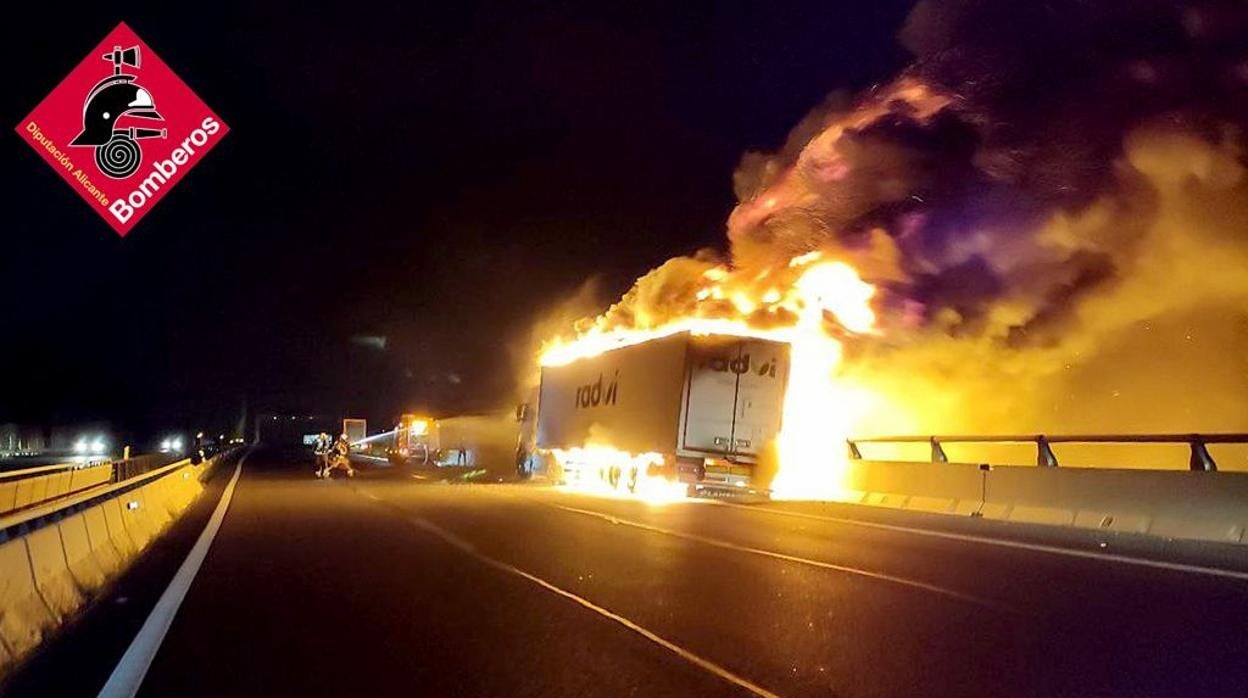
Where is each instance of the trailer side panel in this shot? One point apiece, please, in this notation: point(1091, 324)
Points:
point(627, 398)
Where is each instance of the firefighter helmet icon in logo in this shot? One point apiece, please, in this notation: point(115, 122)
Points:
point(117, 152)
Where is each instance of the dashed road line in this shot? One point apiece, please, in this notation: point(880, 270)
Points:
point(689, 656)
point(857, 571)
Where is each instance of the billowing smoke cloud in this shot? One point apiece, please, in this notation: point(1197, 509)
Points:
point(1066, 238)
point(1127, 315)
point(1054, 204)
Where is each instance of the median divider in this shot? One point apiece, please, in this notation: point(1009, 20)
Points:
point(23, 613)
point(134, 513)
point(54, 485)
point(117, 532)
point(8, 495)
point(1196, 505)
point(107, 556)
point(24, 494)
point(52, 578)
point(38, 490)
point(83, 564)
point(56, 556)
point(36, 486)
point(94, 476)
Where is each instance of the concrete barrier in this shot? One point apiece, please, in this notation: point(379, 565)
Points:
point(38, 489)
point(117, 532)
point(176, 492)
point(134, 518)
point(25, 493)
point(52, 578)
point(54, 485)
point(94, 476)
point(8, 495)
point(23, 613)
point(107, 556)
point(19, 491)
point(154, 509)
point(190, 488)
point(1184, 504)
point(48, 573)
point(63, 485)
point(83, 565)
point(171, 491)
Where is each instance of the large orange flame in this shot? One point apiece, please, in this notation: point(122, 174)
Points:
point(808, 303)
point(592, 463)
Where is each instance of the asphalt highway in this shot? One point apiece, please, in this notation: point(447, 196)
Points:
point(390, 584)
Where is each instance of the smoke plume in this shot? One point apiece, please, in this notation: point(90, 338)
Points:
point(1052, 201)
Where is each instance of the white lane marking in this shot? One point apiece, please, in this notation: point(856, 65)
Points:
point(706, 664)
point(882, 576)
point(1019, 545)
point(128, 676)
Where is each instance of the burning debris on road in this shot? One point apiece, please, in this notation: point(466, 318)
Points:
point(1041, 225)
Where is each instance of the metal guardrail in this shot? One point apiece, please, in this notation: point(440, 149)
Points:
point(1200, 459)
point(138, 465)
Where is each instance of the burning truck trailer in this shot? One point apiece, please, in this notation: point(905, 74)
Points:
point(690, 409)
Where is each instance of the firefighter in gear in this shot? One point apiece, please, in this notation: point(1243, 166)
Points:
point(339, 456)
point(322, 454)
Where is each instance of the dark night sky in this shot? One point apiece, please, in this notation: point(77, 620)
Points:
point(436, 173)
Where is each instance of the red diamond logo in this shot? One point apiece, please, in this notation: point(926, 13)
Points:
point(122, 129)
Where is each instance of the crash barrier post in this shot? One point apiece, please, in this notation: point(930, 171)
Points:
point(1200, 503)
point(57, 556)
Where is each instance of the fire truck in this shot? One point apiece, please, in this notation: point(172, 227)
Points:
point(411, 441)
point(497, 443)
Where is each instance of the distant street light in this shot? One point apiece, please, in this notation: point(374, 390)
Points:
point(171, 444)
point(88, 444)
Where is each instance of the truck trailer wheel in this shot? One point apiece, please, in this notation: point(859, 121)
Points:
point(632, 480)
point(522, 463)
